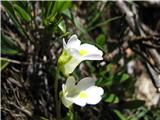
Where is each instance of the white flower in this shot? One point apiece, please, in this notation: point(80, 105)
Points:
point(74, 52)
point(85, 92)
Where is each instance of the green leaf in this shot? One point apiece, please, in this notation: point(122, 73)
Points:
point(94, 19)
point(119, 114)
point(22, 13)
point(106, 81)
point(124, 77)
point(60, 6)
point(67, 13)
point(11, 13)
point(100, 40)
point(50, 7)
point(8, 46)
point(104, 23)
point(79, 26)
point(4, 64)
point(62, 26)
point(70, 115)
point(54, 9)
point(109, 68)
point(109, 81)
point(25, 5)
point(111, 98)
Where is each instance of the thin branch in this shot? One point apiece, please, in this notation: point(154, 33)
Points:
point(14, 61)
point(22, 109)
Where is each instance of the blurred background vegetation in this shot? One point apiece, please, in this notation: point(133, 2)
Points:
point(31, 42)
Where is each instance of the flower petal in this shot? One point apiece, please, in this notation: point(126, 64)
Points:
point(94, 95)
point(63, 88)
point(66, 102)
point(64, 44)
point(71, 90)
point(74, 53)
point(70, 82)
point(85, 83)
point(71, 65)
point(92, 52)
point(93, 57)
point(73, 42)
point(78, 101)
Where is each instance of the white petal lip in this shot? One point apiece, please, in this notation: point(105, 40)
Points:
point(94, 95)
point(78, 101)
point(93, 57)
point(93, 53)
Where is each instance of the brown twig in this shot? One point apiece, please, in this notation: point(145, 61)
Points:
point(14, 61)
point(140, 29)
point(22, 109)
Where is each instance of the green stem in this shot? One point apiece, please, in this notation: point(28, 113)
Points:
point(71, 113)
point(57, 101)
point(104, 23)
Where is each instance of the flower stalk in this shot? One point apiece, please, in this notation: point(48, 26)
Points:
point(57, 101)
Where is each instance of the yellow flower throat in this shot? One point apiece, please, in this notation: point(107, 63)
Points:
point(82, 52)
point(83, 94)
